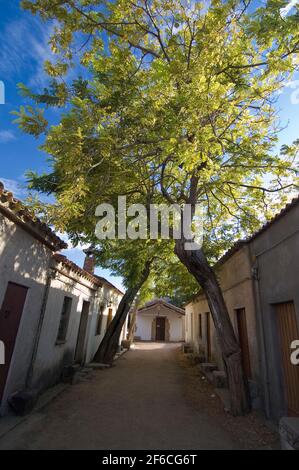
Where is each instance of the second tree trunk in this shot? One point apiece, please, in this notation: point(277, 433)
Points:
point(197, 264)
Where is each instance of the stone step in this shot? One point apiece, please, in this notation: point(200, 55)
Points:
point(223, 394)
point(209, 377)
point(201, 358)
point(219, 379)
point(207, 367)
point(196, 358)
point(98, 365)
point(187, 349)
point(68, 373)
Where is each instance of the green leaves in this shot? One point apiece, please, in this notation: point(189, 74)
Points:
point(173, 94)
point(31, 120)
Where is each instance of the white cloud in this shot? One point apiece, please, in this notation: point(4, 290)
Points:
point(24, 48)
point(6, 136)
point(284, 11)
point(13, 185)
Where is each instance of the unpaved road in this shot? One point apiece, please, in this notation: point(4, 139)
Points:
point(138, 404)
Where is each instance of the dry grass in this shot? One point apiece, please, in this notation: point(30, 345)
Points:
point(250, 431)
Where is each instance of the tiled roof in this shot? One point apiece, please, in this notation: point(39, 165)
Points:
point(59, 258)
point(109, 284)
point(162, 302)
point(98, 280)
point(16, 211)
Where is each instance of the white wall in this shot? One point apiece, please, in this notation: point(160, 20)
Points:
point(26, 261)
point(145, 320)
point(23, 260)
point(52, 356)
point(144, 326)
point(104, 296)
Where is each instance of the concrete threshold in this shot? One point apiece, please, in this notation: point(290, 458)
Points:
point(101, 366)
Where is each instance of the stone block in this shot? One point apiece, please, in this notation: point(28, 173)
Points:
point(187, 349)
point(126, 344)
point(220, 379)
point(196, 358)
point(208, 367)
point(23, 402)
point(68, 373)
point(289, 433)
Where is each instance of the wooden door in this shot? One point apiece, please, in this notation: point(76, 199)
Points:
point(243, 341)
point(288, 332)
point(200, 325)
point(208, 337)
point(160, 328)
point(80, 348)
point(10, 316)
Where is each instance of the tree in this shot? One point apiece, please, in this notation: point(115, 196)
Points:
point(145, 294)
point(136, 262)
point(178, 96)
point(172, 280)
point(109, 344)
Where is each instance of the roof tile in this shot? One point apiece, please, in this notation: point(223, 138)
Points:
point(13, 208)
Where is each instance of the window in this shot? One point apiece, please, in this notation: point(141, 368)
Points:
point(199, 325)
point(64, 319)
point(100, 320)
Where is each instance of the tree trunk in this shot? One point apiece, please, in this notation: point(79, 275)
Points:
point(197, 264)
point(131, 332)
point(109, 344)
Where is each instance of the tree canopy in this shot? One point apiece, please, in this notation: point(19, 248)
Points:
point(179, 99)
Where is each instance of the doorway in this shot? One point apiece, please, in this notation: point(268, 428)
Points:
point(287, 332)
point(80, 350)
point(160, 328)
point(208, 337)
point(10, 316)
point(243, 341)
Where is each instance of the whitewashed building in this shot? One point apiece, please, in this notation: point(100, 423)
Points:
point(159, 320)
point(53, 314)
point(26, 250)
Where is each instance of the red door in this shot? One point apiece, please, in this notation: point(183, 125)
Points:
point(288, 331)
point(79, 354)
point(10, 316)
point(243, 341)
point(160, 329)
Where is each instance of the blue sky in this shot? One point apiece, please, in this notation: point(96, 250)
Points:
point(23, 49)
